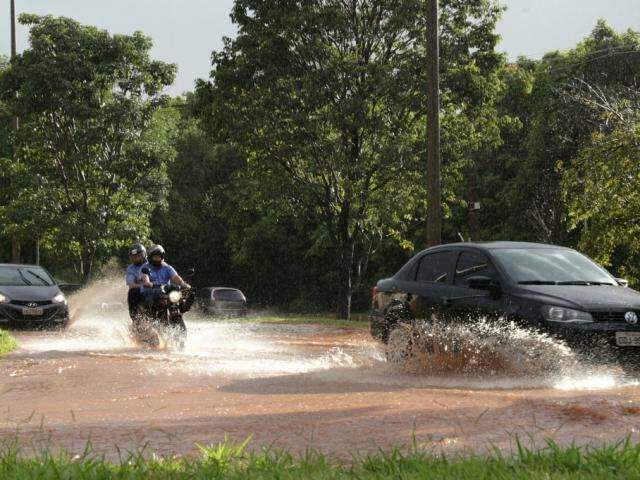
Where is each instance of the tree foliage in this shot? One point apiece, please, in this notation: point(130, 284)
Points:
point(88, 161)
point(325, 99)
point(601, 187)
point(544, 97)
point(297, 172)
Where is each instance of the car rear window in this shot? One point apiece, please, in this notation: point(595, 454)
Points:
point(435, 267)
point(229, 294)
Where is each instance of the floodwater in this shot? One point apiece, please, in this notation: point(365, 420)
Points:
point(292, 386)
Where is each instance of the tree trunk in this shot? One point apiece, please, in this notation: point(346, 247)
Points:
point(37, 251)
point(86, 264)
point(345, 281)
point(15, 250)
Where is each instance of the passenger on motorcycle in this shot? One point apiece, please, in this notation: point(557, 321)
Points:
point(133, 278)
point(157, 272)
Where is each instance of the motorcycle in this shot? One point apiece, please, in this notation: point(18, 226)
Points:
point(161, 323)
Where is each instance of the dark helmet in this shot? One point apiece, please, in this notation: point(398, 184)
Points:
point(138, 248)
point(156, 250)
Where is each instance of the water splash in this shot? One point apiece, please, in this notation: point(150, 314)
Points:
point(478, 353)
point(99, 321)
point(475, 354)
point(480, 348)
point(261, 350)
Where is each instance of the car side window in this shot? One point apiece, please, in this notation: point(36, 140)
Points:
point(435, 267)
point(472, 264)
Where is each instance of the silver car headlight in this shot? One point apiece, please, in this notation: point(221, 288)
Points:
point(565, 315)
point(4, 298)
point(59, 298)
point(175, 296)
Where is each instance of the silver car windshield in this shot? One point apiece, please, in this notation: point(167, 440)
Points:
point(548, 266)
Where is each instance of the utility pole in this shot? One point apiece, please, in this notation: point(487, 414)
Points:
point(434, 211)
point(15, 242)
point(13, 28)
point(14, 122)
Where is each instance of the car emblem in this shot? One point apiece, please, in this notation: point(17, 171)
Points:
point(631, 317)
point(32, 304)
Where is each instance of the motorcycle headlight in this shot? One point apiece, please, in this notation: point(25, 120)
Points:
point(565, 315)
point(4, 298)
point(59, 298)
point(175, 296)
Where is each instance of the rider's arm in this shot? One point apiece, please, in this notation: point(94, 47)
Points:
point(177, 279)
point(131, 280)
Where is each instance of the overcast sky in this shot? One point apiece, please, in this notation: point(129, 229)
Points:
point(185, 32)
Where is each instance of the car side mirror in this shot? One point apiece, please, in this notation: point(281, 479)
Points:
point(622, 282)
point(480, 282)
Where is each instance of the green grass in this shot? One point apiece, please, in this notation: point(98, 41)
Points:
point(7, 342)
point(357, 321)
point(228, 461)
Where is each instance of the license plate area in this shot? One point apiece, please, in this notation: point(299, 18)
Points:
point(628, 339)
point(32, 312)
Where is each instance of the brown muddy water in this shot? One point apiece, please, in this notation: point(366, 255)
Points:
point(291, 386)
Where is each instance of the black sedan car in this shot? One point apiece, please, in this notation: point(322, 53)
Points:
point(222, 302)
point(30, 297)
point(550, 288)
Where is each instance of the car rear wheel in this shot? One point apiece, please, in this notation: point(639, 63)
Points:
point(399, 345)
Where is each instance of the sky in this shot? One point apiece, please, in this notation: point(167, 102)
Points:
point(186, 32)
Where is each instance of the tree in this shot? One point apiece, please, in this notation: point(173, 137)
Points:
point(200, 205)
point(5, 153)
point(325, 100)
point(89, 164)
point(601, 186)
point(521, 188)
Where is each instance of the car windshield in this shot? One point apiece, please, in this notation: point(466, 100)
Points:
point(549, 266)
point(228, 295)
point(20, 276)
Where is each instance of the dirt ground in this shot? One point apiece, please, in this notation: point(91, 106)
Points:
point(285, 386)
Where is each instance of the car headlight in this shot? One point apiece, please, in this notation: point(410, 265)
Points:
point(59, 298)
point(565, 315)
point(175, 296)
point(4, 298)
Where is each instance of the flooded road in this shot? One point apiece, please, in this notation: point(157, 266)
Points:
point(293, 386)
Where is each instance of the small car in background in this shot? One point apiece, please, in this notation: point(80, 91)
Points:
point(30, 297)
point(222, 301)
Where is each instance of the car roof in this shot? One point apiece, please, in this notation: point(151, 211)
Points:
point(16, 265)
point(481, 246)
point(495, 245)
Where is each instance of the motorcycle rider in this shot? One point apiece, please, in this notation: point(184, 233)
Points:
point(133, 278)
point(157, 272)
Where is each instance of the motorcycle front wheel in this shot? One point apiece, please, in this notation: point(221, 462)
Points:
point(179, 330)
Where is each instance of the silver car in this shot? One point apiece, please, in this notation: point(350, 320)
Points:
point(222, 301)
